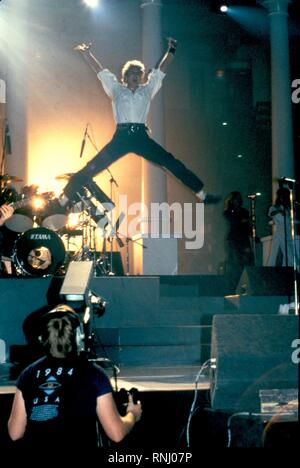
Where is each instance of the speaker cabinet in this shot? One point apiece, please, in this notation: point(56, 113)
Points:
point(252, 352)
point(266, 281)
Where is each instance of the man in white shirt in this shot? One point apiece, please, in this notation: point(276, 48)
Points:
point(131, 103)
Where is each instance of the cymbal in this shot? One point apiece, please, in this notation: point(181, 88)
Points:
point(10, 178)
point(64, 176)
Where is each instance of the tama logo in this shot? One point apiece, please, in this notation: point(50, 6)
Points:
point(40, 236)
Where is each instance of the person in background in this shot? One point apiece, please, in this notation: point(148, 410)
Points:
point(61, 396)
point(282, 236)
point(238, 248)
point(6, 212)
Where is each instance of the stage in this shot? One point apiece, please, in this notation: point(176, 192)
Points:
point(157, 332)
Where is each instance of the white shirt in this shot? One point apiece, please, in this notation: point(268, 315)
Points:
point(128, 106)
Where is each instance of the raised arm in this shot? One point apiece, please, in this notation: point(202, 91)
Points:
point(168, 56)
point(92, 61)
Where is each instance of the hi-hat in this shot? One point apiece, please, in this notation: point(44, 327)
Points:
point(64, 176)
point(10, 178)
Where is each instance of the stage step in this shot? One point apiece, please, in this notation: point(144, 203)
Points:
point(154, 355)
point(154, 345)
point(254, 304)
point(152, 336)
point(192, 286)
point(166, 319)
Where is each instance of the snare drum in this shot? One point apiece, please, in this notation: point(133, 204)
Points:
point(38, 252)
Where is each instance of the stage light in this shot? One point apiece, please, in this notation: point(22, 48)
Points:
point(91, 3)
point(223, 8)
point(38, 203)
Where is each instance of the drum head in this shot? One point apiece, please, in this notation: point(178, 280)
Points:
point(38, 252)
point(54, 216)
point(19, 222)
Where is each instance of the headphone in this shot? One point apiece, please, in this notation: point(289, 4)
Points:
point(60, 311)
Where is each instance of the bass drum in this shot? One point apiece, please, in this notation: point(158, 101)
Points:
point(38, 252)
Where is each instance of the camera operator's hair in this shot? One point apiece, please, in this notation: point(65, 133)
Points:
point(61, 339)
point(132, 63)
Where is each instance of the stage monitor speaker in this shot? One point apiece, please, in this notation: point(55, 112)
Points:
point(266, 281)
point(253, 353)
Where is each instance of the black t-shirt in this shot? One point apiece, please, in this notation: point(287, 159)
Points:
point(60, 397)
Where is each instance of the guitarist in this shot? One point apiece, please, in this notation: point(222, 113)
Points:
point(6, 211)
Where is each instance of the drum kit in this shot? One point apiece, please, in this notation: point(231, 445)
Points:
point(33, 236)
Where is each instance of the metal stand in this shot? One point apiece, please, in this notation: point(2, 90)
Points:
point(128, 239)
point(107, 267)
point(291, 186)
point(252, 198)
point(112, 181)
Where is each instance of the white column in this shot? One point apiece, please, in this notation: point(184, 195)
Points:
point(154, 183)
point(15, 71)
point(282, 133)
point(154, 256)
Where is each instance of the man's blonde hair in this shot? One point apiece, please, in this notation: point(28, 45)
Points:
point(61, 337)
point(132, 63)
point(59, 334)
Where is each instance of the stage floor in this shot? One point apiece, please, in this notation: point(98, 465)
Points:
point(171, 378)
point(163, 378)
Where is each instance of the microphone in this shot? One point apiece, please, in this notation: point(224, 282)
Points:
point(7, 138)
point(252, 196)
point(83, 141)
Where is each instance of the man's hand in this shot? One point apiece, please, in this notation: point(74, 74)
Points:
point(6, 211)
point(134, 408)
point(82, 47)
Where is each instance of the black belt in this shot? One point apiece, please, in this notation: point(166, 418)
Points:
point(132, 127)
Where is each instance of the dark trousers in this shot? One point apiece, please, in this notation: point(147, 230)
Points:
point(133, 138)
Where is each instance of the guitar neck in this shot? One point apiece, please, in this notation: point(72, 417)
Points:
point(19, 204)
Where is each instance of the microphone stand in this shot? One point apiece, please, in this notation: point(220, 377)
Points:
point(3, 151)
point(253, 225)
point(293, 231)
point(83, 141)
point(128, 239)
point(112, 181)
